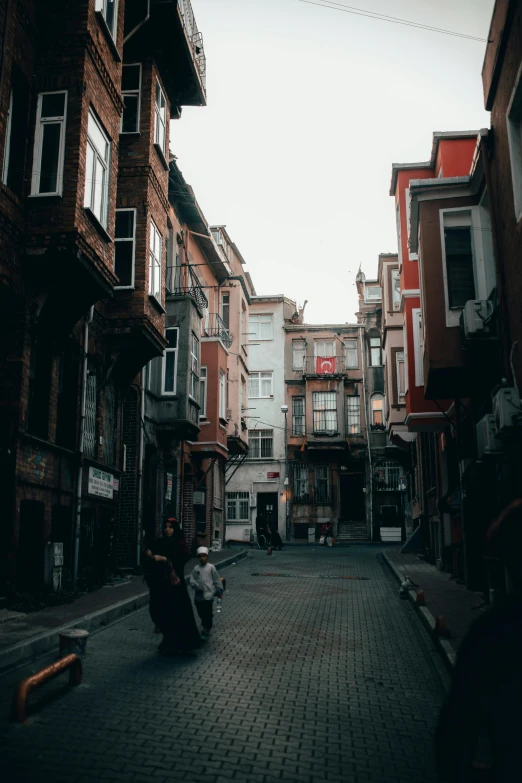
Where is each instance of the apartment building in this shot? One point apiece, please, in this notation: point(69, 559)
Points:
point(256, 486)
point(85, 102)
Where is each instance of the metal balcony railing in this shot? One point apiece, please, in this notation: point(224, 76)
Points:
point(215, 327)
point(324, 365)
point(182, 280)
point(195, 38)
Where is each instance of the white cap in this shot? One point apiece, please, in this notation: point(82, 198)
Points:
point(202, 550)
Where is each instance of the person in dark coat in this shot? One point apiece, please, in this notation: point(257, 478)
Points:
point(486, 694)
point(170, 606)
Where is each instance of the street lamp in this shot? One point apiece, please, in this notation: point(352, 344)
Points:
point(284, 409)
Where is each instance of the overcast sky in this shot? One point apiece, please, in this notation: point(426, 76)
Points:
point(307, 110)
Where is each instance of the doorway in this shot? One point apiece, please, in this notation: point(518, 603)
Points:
point(267, 508)
point(31, 547)
point(352, 497)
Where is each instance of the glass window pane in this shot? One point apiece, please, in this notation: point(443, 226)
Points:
point(130, 78)
point(53, 105)
point(50, 156)
point(97, 138)
point(172, 338)
point(129, 123)
point(169, 371)
point(124, 224)
point(123, 262)
point(459, 263)
point(99, 181)
point(89, 176)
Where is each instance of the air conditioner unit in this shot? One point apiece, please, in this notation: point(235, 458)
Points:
point(253, 500)
point(487, 441)
point(507, 411)
point(476, 320)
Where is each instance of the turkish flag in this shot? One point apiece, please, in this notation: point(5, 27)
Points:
point(325, 365)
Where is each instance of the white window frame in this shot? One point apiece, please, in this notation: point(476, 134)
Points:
point(91, 177)
point(255, 443)
point(7, 143)
point(159, 120)
point(127, 239)
point(368, 298)
point(222, 395)
point(398, 226)
point(203, 380)
point(261, 376)
point(38, 141)
point(194, 367)
point(418, 349)
point(256, 321)
point(101, 8)
point(164, 363)
point(350, 366)
point(395, 275)
point(353, 413)
point(295, 416)
point(239, 501)
point(411, 256)
point(132, 93)
point(296, 352)
point(324, 354)
point(373, 348)
point(459, 217)
point(399, 359)
point(155, 258)
point(514, 129)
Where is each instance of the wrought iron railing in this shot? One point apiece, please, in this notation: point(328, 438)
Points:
point(195, 38)
point(215, 327)
point(182, 280)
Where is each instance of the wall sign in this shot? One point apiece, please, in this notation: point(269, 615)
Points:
point(272, 475)
point(168, 491)
point(100, 483)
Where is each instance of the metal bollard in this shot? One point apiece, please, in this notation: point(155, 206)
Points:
point(73, 642)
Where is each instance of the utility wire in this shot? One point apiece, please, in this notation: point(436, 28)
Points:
point(348, 9)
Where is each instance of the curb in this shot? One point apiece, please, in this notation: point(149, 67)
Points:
point(37, 645)
point(449, 656)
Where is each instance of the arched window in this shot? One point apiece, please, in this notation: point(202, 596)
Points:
point(377, 410)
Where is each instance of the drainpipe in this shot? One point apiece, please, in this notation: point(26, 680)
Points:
point(79, 478)
point(140, 24)
point(370, 487)
point(140, 469)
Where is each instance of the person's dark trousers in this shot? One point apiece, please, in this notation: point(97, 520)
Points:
point(204, 609)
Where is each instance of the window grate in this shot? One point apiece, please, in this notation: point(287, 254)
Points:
point(89, 433)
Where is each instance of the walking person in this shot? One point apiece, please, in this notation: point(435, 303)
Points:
point(205, 580)
point(487, 687)
point(170, 606)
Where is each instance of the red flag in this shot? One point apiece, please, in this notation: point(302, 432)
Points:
point(325, 365)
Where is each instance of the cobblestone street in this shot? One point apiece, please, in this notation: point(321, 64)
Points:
point(306, 677)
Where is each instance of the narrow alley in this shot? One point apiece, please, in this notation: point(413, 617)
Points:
point(315, 671)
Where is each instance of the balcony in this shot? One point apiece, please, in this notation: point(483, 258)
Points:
point(215, 327)
point(325, 366)
point(183, 281)
point(195, 38)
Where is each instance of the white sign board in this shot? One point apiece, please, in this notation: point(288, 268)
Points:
point(100, 483)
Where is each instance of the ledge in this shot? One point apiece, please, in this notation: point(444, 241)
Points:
point(97, 225)
point(157, 304)
point(161, 156)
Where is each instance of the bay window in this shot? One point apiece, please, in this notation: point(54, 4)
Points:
point(125, 247)
point(194, 368)
point(97, 171)
point(160, 119)
point(170, 362)
point(155, 262)
point(325, 412)
point(130, 93)
point(49, 144)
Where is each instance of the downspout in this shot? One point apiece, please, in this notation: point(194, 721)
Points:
point(140, 469)
point(79, 478)
point(370, 488)
point(140, 24)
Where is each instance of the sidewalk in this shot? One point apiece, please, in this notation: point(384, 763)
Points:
point(24, 636)
point(443, 598)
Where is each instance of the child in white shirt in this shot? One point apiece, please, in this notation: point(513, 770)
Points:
point(205, 581)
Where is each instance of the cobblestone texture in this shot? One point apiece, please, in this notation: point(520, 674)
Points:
point(302, 680)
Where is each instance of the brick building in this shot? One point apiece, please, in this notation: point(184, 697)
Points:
point(86, 93)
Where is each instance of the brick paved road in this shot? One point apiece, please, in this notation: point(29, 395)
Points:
point(304, 679)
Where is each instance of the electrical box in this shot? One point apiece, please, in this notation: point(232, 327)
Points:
point(253, 500)
point(476, 320)
point(487, 441)
point(507, 411)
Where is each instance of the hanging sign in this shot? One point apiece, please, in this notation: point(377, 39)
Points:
point(100, 483)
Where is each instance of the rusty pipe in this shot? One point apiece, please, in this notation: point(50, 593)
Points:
point(20, 696)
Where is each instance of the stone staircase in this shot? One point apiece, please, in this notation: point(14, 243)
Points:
point(352, 531)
